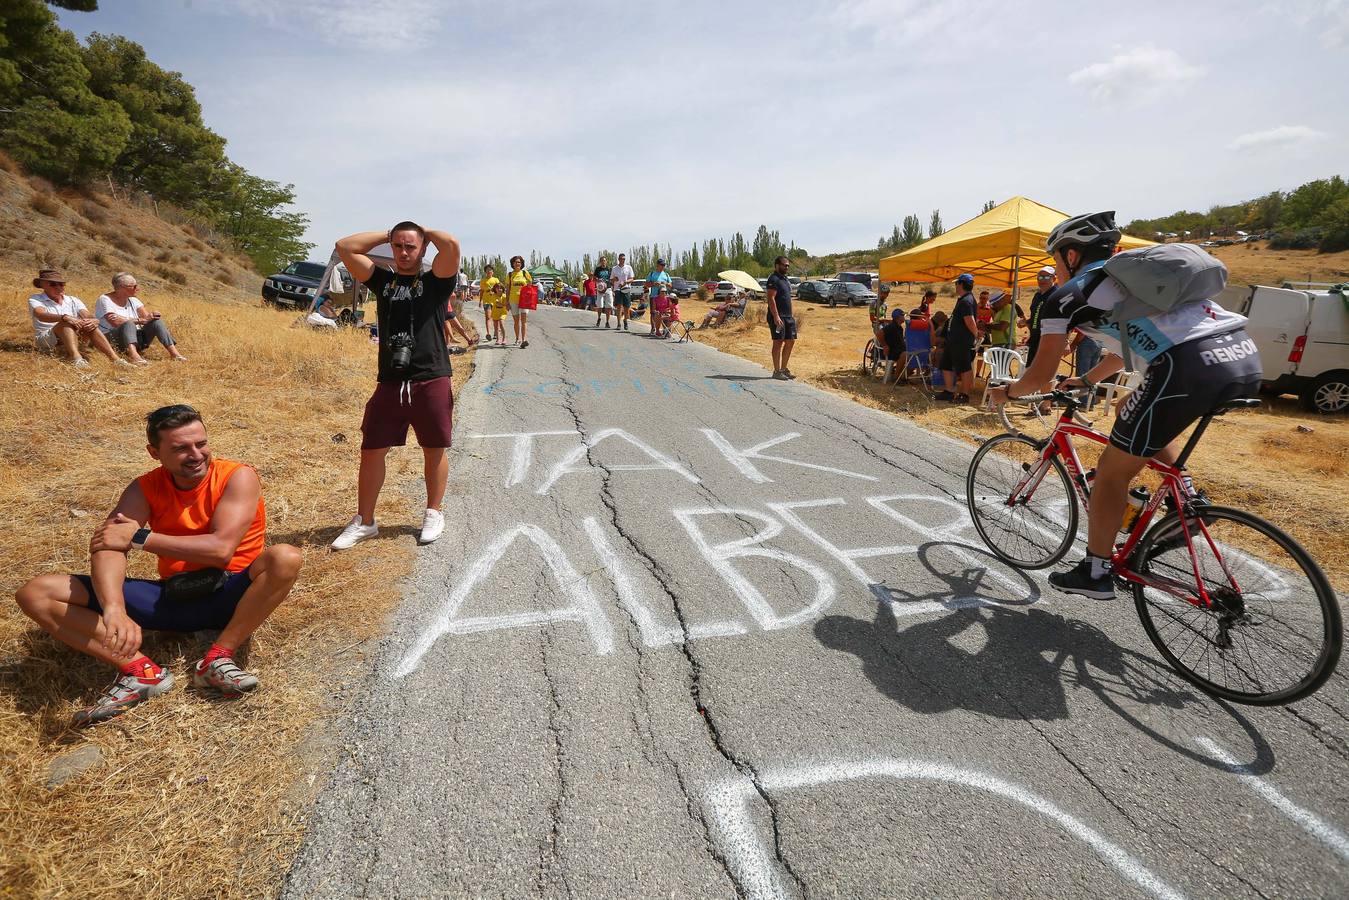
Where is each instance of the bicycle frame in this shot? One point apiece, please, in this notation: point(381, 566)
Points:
point(1060, 444)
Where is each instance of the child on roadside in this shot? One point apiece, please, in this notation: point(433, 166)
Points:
point(500, 307)
point(672, 314)
point(659, 305)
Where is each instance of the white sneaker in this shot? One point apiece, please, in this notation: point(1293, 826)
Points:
point(433, 523)
point(124, 363)
point(81, 363)
point(354, 533)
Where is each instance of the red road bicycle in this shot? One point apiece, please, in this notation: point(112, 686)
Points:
point(1234, 604)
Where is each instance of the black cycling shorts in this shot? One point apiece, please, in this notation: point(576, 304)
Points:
point(786, 333)
point(1183, 384)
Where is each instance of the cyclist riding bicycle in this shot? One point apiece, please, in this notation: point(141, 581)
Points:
point(1198, 354)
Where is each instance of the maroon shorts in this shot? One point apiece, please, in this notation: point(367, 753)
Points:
point(428, 406)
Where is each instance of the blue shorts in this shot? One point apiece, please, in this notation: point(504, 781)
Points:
point(146, 607)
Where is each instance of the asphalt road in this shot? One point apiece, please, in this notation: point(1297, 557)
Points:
point(653, 656)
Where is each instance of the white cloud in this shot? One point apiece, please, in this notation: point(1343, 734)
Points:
point(1285, 137)
point(1330, 18)
point(369, 24)
point(1136, 75)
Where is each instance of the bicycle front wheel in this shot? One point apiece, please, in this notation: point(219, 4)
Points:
point(1021, 501)
point(1273, 634)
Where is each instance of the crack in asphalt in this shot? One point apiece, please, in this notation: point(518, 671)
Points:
point(694, 666)
point(550, 850)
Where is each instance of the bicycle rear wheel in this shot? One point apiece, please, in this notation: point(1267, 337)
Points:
point(1274, 633)
point(1029, 525)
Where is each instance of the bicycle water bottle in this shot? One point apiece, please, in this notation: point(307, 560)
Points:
point(1138, 498)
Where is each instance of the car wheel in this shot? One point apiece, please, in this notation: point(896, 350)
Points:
point(833, 302)
point(1329, 394)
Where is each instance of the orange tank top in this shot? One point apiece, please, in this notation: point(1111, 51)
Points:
point(183, 513)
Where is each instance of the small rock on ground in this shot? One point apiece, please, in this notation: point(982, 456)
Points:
point(68, 765)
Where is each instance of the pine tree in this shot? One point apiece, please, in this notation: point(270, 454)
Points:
point(935, 226)
point(988, 205)
point(912, 235)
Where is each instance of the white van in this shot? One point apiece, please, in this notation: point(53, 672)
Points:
point(1303, 336)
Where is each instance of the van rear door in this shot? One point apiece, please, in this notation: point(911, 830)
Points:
point(1277, 320)
point(1327, 337)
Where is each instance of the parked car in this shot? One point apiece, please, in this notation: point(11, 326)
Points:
point(295, 285)
point(725, 291)
point(710, 286)
point(1303, 338)
point(851, 293)
point(682, 287)
point(813, 292)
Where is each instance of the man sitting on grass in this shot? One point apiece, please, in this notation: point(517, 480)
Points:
point(204, 519)
point(65, 322)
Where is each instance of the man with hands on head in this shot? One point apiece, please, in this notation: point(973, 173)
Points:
point(204, 518)
point(413, 388)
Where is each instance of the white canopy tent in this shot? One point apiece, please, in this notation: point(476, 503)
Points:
point(342, 289)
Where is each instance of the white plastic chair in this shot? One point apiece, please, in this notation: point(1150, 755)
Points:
point(1126, 384)
point(999, 361)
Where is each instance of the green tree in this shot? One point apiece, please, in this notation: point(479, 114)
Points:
point(170, 152)
point(1304, 207)
point(912, 235)
point(988, 206)
point(1335, 220)
point(252, 211)
point(935, 227)
point(50, 120)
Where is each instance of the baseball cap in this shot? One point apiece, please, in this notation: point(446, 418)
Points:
point(1047, 270)
point(660, 262)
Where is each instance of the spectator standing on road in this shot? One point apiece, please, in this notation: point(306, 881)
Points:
point(962, 335)
point(590, 289)
point(516, 279)
point(604, 296)
point(621, 276)
point(204, 518)
point(64, 321)
point(781, 322)
point(657, 279)
point(128, 325)
point(487, 298)
point(414, 367)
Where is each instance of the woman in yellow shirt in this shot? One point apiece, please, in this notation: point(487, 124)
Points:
point(515, 280)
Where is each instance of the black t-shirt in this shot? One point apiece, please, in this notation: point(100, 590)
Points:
point(1036, 305)
point(414, 304)
point(893, 332)
point(958, 332)
point(783, 299)
point(602, 273)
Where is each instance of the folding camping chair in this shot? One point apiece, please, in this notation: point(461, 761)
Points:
point(919, 343)
point(683, 329)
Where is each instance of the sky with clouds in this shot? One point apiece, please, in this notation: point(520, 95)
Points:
point(524, 125)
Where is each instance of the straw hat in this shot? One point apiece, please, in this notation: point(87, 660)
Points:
point(48, 275)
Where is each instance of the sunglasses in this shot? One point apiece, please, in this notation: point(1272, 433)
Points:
point(165, 412)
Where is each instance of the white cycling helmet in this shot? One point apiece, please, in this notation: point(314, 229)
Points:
point(1094, 229)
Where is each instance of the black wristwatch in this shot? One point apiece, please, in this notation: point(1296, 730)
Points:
point(140, 537)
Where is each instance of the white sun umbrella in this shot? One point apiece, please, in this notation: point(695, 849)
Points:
point(742, 280)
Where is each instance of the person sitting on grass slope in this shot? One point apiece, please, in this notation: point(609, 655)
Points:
point(64, 321)
point(204, 518)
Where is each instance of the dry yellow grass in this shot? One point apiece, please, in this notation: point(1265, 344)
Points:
point(193, 798)
point(1257, 461)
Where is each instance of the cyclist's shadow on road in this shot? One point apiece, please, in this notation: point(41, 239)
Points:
point(1010, 659)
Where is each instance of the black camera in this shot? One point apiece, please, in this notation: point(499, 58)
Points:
point(400, 351)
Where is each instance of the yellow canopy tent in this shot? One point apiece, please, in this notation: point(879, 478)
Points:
point(1004, 247)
